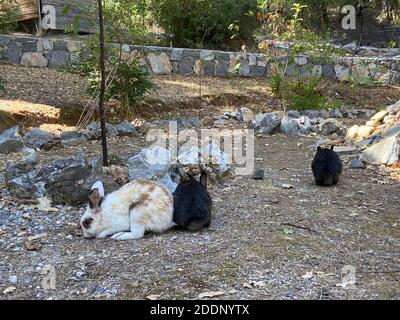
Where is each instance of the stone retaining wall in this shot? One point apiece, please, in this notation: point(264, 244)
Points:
point(53, 53)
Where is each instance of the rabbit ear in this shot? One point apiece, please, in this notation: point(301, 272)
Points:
point(203, 179)
point(99, 186)
point(332, 146)
point(96, 195)
point(319, 149)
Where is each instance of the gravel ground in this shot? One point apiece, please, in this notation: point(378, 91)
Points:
point(265, 242)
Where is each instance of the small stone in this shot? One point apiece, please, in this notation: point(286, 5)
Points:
point(34, 59)
point(126, 128)
point(13, 279)
point(356, 164)
point(335, 113)
point(344, 150)
point(329, 126)
point(11, 141)
point(220, 122)
point(258, 174)
point(247, 114)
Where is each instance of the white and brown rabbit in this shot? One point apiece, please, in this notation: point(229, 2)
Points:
point(129, 212)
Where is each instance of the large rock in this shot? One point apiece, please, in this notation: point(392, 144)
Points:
point(268, 124)
point(385, 152)
point(20, 177)
point(378, 118)
point(394, 108)
point(58, 59)
point(160, 64)
point(37, 138)
point(209, 158)
point(126, 128)
point(34, 59)
point(11, 141)
point(290, 126)
point(25, 186)
point(69, 181)
point(329, 126)
point(152, 164)
point(93, 131)
point(72, 138)
point(342, 73)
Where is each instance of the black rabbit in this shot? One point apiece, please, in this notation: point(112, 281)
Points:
point(326, 167)
point(192, 204)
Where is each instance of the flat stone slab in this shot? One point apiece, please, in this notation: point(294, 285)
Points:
point(345, 150)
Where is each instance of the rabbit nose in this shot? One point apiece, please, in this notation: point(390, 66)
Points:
point(87, 222)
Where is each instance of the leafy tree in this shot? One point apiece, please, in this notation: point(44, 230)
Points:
point(205, 23)
point(9, 13)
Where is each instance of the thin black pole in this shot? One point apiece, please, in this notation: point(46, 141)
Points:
point(102, 86)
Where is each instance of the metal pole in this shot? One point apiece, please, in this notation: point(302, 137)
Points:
point(102, 86)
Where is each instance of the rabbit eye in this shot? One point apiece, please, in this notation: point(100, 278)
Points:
point(87, 222)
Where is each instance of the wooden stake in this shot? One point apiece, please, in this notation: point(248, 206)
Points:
point(102, 86)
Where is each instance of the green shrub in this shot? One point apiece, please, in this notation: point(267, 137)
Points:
point(205, 23)
point(127, 80)
point(311, 102)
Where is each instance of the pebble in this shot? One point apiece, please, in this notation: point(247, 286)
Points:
point(356, 164)
point(259, 174)
point(13, 279)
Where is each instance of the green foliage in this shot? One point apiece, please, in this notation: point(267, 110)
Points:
point(302, 91)
point(311, 102)
point(205, 23)
point(127, 80)
point(303, 94)
point(129, 21)
point(392, 44)
point(8, 15)
point(276, 81)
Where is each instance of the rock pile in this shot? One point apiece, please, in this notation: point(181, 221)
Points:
point(379, 138)
point(158, 164)
point(12, 139)
point(65, 181)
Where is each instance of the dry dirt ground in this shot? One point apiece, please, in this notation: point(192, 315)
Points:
point(265, 242)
